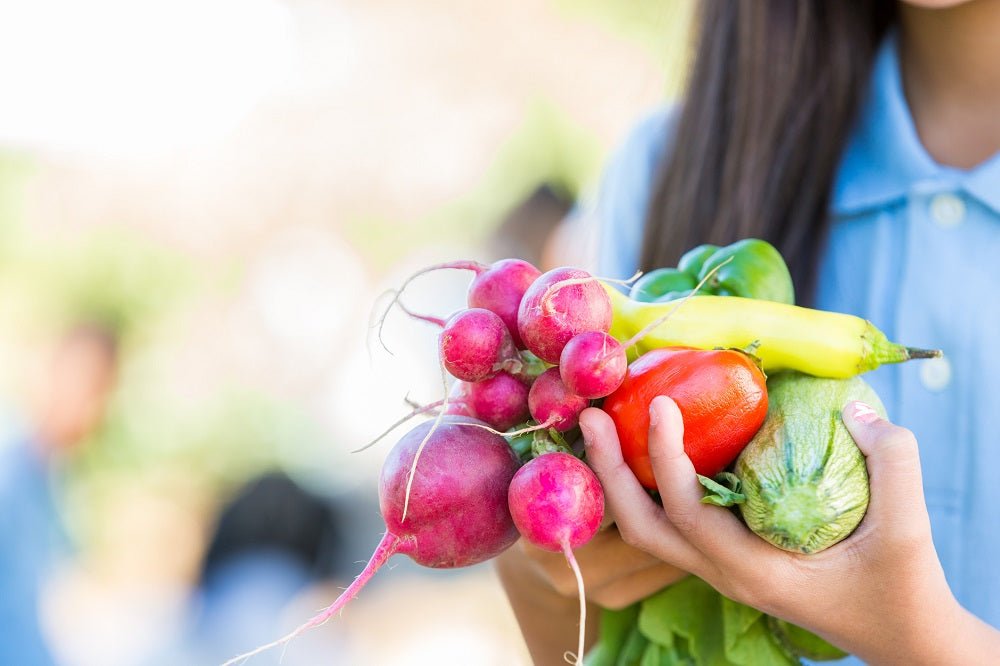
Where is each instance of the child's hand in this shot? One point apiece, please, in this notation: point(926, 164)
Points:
point(880, 594)
point(615, 574)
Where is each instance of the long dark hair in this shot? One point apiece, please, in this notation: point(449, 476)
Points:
point(773, 94)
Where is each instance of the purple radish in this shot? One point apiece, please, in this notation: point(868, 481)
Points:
point(558, 306)
point(552, 404)
point(457, 515)
point(476, 344)
point(500, 289)
point(593, 364)
point(501, 401)
point(557, 504)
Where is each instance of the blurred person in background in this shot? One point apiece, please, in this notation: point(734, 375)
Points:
point(66, 407)
point(532, 229)
point(271, 542)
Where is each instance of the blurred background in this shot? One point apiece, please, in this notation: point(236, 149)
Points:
point(202, 203)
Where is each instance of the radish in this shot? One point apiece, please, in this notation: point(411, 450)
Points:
point(500, 290)
point(552, 404)
point(557, 504)
point(593, 364)
point(559, 305)
point(476, 344)
point(501, 401)
point(458, 513)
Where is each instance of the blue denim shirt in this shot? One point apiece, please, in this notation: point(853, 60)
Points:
point(915, 248)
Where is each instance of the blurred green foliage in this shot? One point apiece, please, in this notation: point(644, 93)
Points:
point(114, 277)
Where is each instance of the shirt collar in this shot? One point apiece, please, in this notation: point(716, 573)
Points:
point(885, 160)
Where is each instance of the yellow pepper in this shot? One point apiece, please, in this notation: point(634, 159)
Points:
point(787, 337)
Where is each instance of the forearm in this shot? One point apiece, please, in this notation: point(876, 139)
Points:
point(947, 635)
point(548, 620)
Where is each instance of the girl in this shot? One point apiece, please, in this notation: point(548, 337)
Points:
point(861, 139)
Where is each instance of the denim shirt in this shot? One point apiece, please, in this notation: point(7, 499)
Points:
point(913, 247)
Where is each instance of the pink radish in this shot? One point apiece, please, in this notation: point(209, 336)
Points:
point(557, 504)
point(501, 401)
point(458, 513)
point(551, 403)
point(559, 305)
point(476, 344)
point(593, 364)
point(500, 290)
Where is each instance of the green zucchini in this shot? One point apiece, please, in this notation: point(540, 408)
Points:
point(804, 478)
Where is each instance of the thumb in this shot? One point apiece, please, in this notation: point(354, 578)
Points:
point(893, 462)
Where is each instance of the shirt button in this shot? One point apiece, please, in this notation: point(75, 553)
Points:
point(935, 373)
point(947, 210)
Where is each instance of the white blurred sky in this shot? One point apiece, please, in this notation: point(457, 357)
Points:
point(134, 77)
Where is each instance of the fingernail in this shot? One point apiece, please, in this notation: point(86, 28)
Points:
point(585, 431)
point(654, 414)
point(863, 412)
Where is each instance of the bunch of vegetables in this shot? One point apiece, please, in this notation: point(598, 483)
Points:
point(501, 459)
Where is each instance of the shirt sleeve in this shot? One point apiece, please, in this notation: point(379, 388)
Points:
point(619, 214)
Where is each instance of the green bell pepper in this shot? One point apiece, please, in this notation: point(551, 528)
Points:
point(695, 258)
point(654, 284)
point(755, 271)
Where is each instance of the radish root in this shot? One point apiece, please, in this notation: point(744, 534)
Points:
point(466, 265)
point(423, 443)
point(577, 659)
point(515, 433)
point(386, 548)
point(420, 409)
point(430, 319)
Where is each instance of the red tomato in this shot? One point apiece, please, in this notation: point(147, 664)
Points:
point(721, 394)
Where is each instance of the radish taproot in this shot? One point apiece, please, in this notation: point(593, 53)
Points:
point(557, 504)
point(458, 513)
point(553, 405)
point(559, 305)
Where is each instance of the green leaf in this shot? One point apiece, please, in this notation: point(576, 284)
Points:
point(758, 647)
point(725, 490)
point(737, 619)
point(651, 656)
point(614, 632)
point(633, 649)
point(690, 609)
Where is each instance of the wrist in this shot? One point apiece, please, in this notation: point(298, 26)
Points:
point(924, 635)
